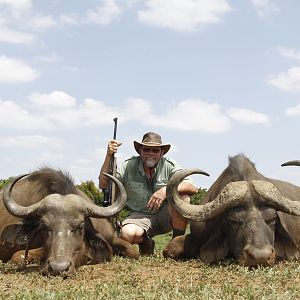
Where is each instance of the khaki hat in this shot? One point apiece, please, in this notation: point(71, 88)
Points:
point(151, 139)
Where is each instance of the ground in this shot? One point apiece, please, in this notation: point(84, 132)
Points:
point(154, 278)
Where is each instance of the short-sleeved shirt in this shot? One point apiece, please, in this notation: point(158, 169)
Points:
point(138, 187)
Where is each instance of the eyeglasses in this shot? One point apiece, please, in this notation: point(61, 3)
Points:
point(153, 150)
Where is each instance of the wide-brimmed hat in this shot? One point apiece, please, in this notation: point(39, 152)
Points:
point(151, 139)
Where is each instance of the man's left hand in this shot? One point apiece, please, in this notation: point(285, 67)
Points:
point(157, 199)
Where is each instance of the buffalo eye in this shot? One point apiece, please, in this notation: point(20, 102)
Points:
point(78, 229)
point(46, 229)
point(236, 216)
point(234, 222)
point(236, 219)
point(271, 222)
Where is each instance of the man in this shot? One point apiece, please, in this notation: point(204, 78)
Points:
point(145, 178)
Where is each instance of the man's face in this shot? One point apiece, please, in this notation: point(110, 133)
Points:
point(150, 156)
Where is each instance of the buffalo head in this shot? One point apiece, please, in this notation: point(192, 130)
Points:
point(60, 223)
point(245, 216)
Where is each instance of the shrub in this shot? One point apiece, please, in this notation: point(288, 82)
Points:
point(89, 188)
point(4, 182)
point(197, 198)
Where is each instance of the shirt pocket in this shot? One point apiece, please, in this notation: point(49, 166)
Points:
point(135, 189)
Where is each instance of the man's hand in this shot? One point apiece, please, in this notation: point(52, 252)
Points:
point(112, 147)
point(157, 199)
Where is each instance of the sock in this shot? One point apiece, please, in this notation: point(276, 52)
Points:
point(177, 232)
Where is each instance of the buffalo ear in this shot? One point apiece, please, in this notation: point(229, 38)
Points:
point(287, 236)
point(99, 249)
point(14, 234)
point(215, 248)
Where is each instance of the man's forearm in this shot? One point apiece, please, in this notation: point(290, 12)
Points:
point(103, 181)
point(187, 188)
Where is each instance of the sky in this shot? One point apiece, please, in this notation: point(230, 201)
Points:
point(214, 78)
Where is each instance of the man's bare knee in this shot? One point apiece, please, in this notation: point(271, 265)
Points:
point(132, 233)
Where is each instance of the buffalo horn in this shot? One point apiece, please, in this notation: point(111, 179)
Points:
point(271, 194)
point(291, 163)
point(92, 209)
point(12, 206)
point(231, 193)
point(96, 211)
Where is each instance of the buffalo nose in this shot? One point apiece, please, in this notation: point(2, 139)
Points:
point(255, 256)
point(57, 267)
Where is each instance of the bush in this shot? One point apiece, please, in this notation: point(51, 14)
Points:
point(4, 182)
point(89, 188)
point(197, 198)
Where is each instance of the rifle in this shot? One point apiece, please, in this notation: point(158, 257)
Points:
point(109, 192)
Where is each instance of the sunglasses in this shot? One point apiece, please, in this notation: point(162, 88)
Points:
point(153, 150)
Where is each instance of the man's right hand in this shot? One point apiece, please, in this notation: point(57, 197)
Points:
point(112, 147)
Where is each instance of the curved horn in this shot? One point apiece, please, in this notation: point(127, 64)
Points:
point(96, 211)
point(231, 193)
point(291, 163)
point(12, 206)
point(271, 194)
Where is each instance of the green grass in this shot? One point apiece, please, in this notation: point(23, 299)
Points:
point(155, 278)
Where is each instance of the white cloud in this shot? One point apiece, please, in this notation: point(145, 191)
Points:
point(289, 81)
point(139, 108)
point(15, 70)
point(41, 22)
point(18, 4)
point(31, 141)
point(95, 113)
point(54, 101)
point(264, 7)
point(196, 115)
point(21, 14)
point(191, 114)
point(248, 116)
point(187, 15)
point(14, 116)
point(293, 111)
point(59, 110)
point(289, 53)
point(69, 19)
point(105, 14)
point(15, 37)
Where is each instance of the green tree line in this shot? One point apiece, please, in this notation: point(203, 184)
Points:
point(92, 191)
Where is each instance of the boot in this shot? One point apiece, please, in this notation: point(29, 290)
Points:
point(147, 246)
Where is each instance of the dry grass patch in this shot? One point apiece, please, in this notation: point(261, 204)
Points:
point(154, 278)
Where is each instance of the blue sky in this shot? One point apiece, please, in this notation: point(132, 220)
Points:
point(214, 77)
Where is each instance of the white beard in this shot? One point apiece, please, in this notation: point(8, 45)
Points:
point(150, 163)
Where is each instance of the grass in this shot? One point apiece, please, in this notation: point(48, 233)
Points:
point(155, 278)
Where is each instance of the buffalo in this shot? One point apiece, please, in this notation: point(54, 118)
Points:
point(244, 216)
point(44, 216)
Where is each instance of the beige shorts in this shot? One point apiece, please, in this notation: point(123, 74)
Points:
point(153, 224)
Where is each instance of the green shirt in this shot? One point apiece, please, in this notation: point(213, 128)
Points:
point(138, 187)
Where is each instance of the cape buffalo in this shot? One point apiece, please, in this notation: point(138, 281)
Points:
point(45, 214)
point(243, 215)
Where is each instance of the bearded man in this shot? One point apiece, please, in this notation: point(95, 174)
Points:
point(145, 178)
